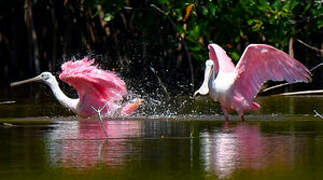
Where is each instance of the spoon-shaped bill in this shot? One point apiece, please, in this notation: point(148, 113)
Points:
point(37, 78)
point(204, 89)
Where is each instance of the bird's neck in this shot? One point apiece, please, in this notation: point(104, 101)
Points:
point(213, 90)
point(212, 79)
point(62, 98)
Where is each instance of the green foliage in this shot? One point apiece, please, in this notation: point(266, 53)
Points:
point(110, 8)
point(232, 24)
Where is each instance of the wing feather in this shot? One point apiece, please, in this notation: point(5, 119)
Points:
point(260, 63)
point(93, 84)
point(222, 62)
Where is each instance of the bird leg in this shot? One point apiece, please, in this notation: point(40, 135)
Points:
point(100, 119)
point(226, 115)
point(242, 118)
point(107, 104)
point(99, 110)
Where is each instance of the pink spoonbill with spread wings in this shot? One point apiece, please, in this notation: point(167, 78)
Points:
point(96, 88)
point(236, 87)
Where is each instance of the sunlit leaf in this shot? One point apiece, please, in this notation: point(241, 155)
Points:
point(212, 9)
point(264, 5)
point(319, 24)
point(180, 28)
point(235, 55)
point(307, 6)
point(189, 9)
point(108, 17)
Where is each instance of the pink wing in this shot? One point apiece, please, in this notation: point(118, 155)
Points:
point(93, 84)
point(260, 63)
point(220, 58)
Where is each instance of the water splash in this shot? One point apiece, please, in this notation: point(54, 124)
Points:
point(157, 105)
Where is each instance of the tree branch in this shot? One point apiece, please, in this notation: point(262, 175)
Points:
point(300, 93)
point(317, 114)
point(311, 47)
point(182, 40)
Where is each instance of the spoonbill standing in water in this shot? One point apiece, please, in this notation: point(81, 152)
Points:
point(236, 87)
point(96, 88)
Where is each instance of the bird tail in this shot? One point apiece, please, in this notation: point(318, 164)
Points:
point(131, 107)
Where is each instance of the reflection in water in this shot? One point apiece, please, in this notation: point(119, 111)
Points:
point(220, 153)
point(243, 146)
point(221, 150)
point(82, 143)
point(287, 146)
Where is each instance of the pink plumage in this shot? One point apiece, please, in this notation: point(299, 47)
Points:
point(236, 87)
point(260, 63)
point(95, 86)
point(222, 61)
point(98, 90)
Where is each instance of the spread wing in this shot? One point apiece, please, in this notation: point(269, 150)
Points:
point(93, 84)
point(260, 63)
point(222, 61)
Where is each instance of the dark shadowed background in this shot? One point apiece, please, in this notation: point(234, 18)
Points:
point(152, 43)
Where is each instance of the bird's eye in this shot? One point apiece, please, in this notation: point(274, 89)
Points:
point(44, 76)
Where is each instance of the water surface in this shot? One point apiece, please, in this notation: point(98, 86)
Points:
point(282, 140)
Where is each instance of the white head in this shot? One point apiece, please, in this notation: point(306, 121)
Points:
point(208, 73)
point(45, 77)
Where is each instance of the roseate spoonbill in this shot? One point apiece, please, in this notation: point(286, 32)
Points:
point(95, 87)
point(236, 87)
